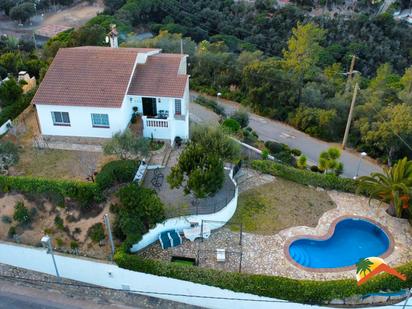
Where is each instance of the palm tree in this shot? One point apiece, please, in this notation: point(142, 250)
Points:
point(363, 266)
point(393, 186)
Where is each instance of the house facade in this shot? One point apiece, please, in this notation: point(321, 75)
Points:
point(94, 91)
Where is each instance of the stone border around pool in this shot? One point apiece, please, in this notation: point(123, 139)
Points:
point(329, 234)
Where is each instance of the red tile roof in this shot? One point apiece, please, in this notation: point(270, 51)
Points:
point(159, 77)
point(88, 76)
point(49, 31)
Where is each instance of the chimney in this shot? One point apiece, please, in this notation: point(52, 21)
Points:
point(112, 37)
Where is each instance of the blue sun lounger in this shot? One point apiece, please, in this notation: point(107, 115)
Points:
point(170, 239)
point(165, 240)
point(176, 239)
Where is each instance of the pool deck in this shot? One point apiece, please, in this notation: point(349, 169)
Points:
point(263, 254)
point(258, 258)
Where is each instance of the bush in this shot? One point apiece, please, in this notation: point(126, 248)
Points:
point(116, 172)
point(231, 125)
point(242, 117)
point(59, 242)
point(211, 104)
point(11, 232)
point(275, 148)
point(265, 154)
point(84, 192)
point(21, 213)
point(285, 157)
point(296, 152)
point(74, 245)
point(305, 177)
point(303, 291)
point(58, 222)
point(315, 168)
point(96, 232)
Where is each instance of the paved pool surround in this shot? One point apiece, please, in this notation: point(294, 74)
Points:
point(265, 254)
point(269, 254)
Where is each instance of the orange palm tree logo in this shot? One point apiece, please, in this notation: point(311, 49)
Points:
point(371, 266)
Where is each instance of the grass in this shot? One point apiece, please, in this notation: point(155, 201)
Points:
point(272, 207)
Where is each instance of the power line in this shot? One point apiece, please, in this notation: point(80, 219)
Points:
point(30, 280)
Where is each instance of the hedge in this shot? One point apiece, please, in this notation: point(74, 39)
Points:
point(116, 172)
point(302, 291)
point(84, 192)
point(306, 177)
point(15, 109)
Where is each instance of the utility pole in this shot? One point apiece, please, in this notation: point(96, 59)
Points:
point(350, 73)
point(352, 106)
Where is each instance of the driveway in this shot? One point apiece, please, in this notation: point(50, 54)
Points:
point(271, 130)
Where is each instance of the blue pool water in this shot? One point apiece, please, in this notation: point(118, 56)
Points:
point(353, 239)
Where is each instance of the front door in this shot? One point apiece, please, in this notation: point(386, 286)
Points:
point(149, 107)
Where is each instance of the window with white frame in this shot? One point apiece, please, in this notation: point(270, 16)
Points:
point(61, 118)
point(100, 120)
point(178, 107)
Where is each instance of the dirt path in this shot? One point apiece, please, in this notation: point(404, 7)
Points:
point(75, 16)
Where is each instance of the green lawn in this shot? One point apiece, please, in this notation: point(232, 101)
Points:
point(280, 204)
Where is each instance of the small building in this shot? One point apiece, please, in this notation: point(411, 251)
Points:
point(46, 32)
point(94, 91)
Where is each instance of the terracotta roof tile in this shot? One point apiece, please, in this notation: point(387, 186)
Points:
point(88, 76)
point(159, 77)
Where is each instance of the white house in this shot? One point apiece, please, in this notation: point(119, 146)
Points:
point(93, 92)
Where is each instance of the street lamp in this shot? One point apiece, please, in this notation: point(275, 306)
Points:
point(363, 154)
point(46, 242)
point(219, 94)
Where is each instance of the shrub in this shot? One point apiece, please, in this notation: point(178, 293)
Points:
point(84, 192)
point(59, 242)
point(285, 157)
point(21, 213)
point(74, 245)
point(11, 232)
point(231, 125)
point(6, 219)
point(301, 162)
point(210, 104)
point(242, 117)
point(275, 147)
point(315, 168)
point(96, 232)
point(58, 222)
point(303, 291)
point(116, 172)
point(305, 177)
point(265, 154)
point(296, 152)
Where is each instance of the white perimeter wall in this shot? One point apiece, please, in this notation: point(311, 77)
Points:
point(97, 273)
point(81, 122)
point(180, 223)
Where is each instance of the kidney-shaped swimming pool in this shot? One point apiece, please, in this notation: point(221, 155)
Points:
point(352, 239)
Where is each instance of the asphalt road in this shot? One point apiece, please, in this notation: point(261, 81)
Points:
point(15, 301)
point(271, 130)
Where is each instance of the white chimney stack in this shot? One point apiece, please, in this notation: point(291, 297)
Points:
point(112, 36)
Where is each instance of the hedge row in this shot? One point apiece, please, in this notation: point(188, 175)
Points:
point(305, 177)
point(116, 172)
point(302, 291)
point(85, 193)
